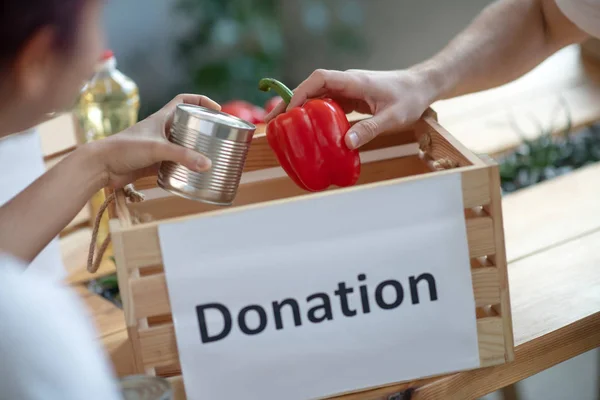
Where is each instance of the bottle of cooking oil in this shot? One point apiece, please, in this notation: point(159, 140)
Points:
point(107, 104)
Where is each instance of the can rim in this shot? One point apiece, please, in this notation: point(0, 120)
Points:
point(223, 118)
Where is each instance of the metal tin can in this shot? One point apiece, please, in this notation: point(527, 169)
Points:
point(223, 138)
point(143, 387)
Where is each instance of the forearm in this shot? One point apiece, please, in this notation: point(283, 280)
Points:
point(30, 220)
point(508, 39)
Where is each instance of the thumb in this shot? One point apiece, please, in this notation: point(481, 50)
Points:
point(166, 151)
point(366, 130)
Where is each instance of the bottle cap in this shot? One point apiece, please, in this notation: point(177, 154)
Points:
point(107, 54)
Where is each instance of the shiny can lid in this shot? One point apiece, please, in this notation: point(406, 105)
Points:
point(143, 387)
point(213, 123)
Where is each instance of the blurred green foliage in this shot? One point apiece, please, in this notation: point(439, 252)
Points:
point(548, 156)
point(231, 44)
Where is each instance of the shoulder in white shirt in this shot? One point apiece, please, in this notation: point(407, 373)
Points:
point(48, 345)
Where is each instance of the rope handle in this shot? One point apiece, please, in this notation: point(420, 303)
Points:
point(93, 264)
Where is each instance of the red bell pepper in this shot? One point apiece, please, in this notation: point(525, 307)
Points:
point(244, 110)
point(308, 142)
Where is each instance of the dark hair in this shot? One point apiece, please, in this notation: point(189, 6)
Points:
point(21, 19)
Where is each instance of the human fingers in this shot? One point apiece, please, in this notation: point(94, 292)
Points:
point(168, 111)
point(335, 83)
point(366, 130)
point(166, 151)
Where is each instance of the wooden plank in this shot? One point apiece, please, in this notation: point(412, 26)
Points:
point(280, 188)
point(480, 237)
point(486, 286)
point(494, 209)
point(552, 212)
point(142, 247)
point(151, 297)
point(475, 186)
point(490, 334)
point(159, 346)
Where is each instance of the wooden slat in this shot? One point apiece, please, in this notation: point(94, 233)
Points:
point(486, 286)
point(475, 185)
point(150, 296)
point(490, 333)
point(142, 247)
point(159, 346)
point(278, 188)
point(480, 236)
point(494, 209)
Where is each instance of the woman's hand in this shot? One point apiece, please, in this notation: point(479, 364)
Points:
point(394, 98)
point(137, 151)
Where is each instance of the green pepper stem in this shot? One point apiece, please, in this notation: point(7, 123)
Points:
point(283, 91)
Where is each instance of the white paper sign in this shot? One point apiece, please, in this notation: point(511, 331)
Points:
point(21, 163)
point(323, 295)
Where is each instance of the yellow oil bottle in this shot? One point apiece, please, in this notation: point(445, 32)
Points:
point(107, 104)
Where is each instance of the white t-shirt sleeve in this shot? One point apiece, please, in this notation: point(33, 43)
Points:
point(48, 345)
point(583, 13)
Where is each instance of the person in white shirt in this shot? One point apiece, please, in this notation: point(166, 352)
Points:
point(506, 40)
point(48, 48)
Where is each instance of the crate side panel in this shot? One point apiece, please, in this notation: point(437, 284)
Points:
point(490, 331)
point(476, 187)
point(494, 209)
point(480, 236)
point(282, 188)
point(158, 346)
point(151, 297)
point(486, 286)
point(141, 247)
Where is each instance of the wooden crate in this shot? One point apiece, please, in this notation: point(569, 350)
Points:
point(425, 148)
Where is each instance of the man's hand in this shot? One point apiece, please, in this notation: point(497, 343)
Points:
point(396, 99)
